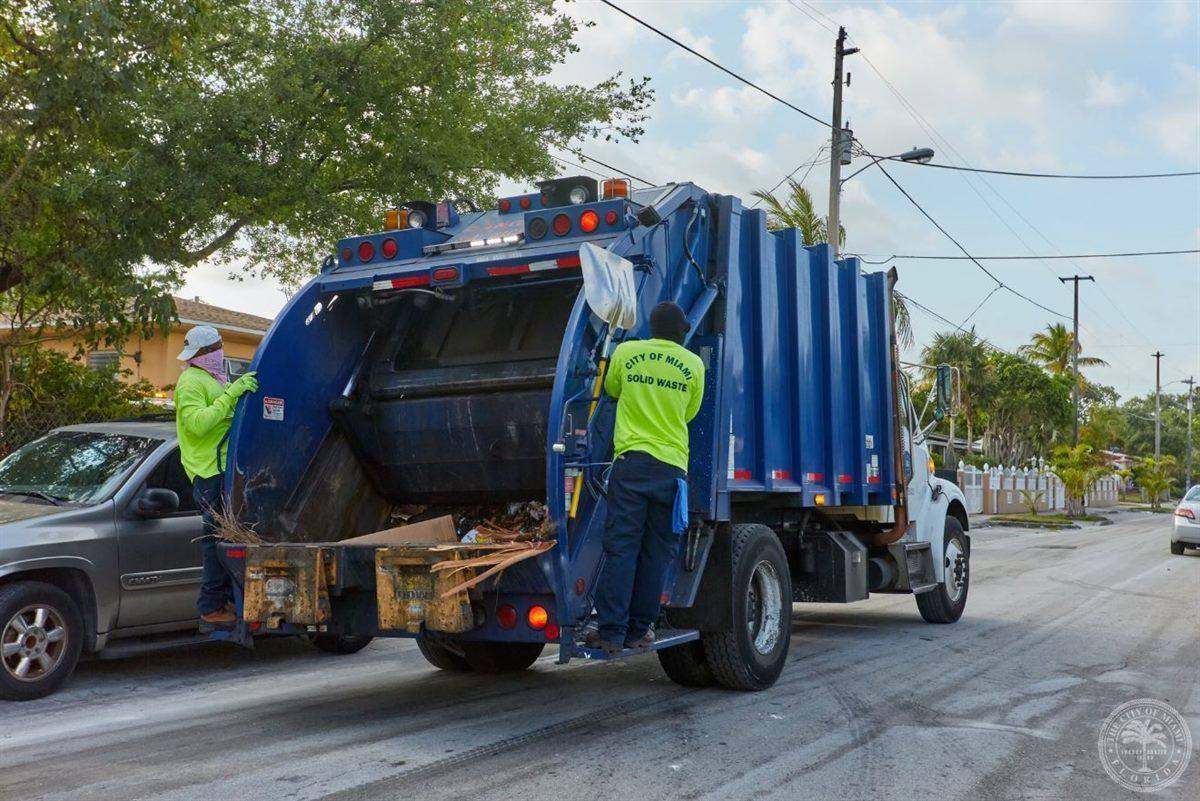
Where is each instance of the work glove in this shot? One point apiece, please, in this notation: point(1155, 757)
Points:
point(246, 382)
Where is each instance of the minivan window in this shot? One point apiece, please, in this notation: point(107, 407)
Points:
point(73, 466)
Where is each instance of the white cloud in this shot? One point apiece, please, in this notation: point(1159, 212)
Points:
point(1105, 91)
point(727, 102)
point(702, 44)
point(1065, 16)
point(1176, 124)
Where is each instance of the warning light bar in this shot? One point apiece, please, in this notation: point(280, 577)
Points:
point(465, 244)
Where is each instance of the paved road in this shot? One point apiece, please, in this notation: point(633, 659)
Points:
point(875, 704)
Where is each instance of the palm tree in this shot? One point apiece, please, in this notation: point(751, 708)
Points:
point(1143, 734)
point(966, 351)
point(1052, 349)
point(797, 211)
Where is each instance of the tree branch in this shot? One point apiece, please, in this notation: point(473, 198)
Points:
point(224, 238)
point(23, 43)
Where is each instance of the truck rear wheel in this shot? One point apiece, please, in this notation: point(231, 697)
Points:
point(501, 657)
point(339, 643)
point(686, 665)
point(442, 657)
point(751, 656)
point(946, 603)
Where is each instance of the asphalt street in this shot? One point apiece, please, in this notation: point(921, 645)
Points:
point(1060, 628)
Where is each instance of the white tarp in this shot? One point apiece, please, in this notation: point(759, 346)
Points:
point(608, 286)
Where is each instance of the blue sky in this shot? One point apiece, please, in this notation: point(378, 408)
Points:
point(1074, 87)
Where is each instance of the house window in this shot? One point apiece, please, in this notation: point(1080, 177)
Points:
point(235, 367)
point(104, 361)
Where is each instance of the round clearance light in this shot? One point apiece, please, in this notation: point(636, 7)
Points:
point(366, 251)
point(551, 631)
point(537, 227)
point(416, 219)
point(562, 225)
point(388, 248)
point(506, 616)
point(538, 617)
point(589, 221)
point(610, 217)
point(505, 204)
point(525, 202)
point(578, 195)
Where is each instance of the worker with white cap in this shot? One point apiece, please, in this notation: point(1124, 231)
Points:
point(204, 402)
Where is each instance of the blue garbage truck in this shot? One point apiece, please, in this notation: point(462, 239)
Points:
point(453, 362)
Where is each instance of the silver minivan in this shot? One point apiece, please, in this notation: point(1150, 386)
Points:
point(98, 552)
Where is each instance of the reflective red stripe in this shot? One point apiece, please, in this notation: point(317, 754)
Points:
point(410, 281)
point(814, 476)
point(236, 553)
point(780, 475)
point(844, 479)
point(741, 475)
point(568, 261)
point(873, 480)
point(514, 269)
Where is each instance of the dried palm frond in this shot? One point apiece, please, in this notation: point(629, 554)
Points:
point(230, 529)
point(497, 560)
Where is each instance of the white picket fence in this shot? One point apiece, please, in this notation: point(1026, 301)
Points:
point(997, 490)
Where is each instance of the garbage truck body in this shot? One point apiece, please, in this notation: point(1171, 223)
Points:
point(454, 361)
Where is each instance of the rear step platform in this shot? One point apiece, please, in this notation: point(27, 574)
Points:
point(667, 638)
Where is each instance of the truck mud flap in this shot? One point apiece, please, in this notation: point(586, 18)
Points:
point(409, 594)
point(288, 584)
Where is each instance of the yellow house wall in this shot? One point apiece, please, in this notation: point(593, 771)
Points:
point(158, 364)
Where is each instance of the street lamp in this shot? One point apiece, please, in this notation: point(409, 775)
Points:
point(918, 155)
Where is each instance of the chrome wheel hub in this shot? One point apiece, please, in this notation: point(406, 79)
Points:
point(957, 568)
point(764, 600)
point(33, 642)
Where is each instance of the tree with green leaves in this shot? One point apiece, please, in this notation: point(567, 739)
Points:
point(1078, 467)
point(796, 210)
point(965, 351)
point(1053, 348)
point(1027, 410)
point(142, 138)
point(1156, 477)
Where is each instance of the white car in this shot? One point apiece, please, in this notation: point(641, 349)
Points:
point(1187, 522)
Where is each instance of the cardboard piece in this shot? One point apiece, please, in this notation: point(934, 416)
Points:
point(437, 531)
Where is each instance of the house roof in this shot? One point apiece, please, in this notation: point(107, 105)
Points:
point(195, 312)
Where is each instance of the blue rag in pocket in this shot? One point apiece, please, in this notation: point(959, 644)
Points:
point(679, 516)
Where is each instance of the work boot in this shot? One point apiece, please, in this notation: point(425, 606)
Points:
point(218, 619)
point(594, 640)
point(645, 641)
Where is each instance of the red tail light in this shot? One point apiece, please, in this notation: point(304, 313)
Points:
point(505, 204)
point(551, 631)
point(446, 274)
point(506, 616)
point(236, 553)
point(525, 202)
point(366, 251)
point(388, 248)
point(610, 217)
point(561, 225)
point(589, 221)
point(538, 617)
point(1183, 511)
point(347, 254)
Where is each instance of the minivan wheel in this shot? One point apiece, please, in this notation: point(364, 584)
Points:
point(41, 637)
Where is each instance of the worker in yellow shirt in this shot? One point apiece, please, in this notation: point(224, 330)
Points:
point(658, 384)
point(204, 404)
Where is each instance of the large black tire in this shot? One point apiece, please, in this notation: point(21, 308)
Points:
point(1177, 548)
point(442, 657)
point(686, 664)
point(340, 643)
point(946, 603)
point(37, 657)
point(751, 656)
point(501, 657)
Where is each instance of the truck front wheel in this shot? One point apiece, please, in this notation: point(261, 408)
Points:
point(946, 603)
point(751, 655)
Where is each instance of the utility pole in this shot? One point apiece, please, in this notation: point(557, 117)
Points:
point(839, 144)
point(1191, 382)
point(1075, 279)
point(1157, 404)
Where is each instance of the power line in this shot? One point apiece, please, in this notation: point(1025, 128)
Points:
point(617, 170)
point(812, 162)
point(954, 325)
point(719, 66)
point(959, 245)
point(1038, 256)
point(1073, 176)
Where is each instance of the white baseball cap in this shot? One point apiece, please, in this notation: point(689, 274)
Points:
point(200, 337)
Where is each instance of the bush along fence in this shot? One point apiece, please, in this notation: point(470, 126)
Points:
point(1005, 490)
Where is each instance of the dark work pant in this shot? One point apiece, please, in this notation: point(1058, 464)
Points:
point(216, 587)
point(638, 544)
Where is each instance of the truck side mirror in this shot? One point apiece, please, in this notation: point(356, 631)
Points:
point(944, 391)
point(156, 502)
